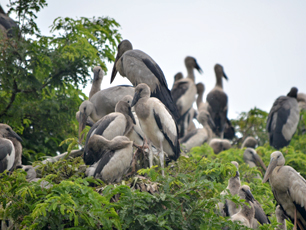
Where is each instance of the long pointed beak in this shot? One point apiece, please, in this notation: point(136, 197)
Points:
point(198, 68)
point(82, 123)
point(237, 174)
point(132, 116)
point(259, 160)
point(135, 99)
point(114, 71)
point(270, 169)
point(13, 134)
point(96, 76)
point(249, 196)
point(224, 75)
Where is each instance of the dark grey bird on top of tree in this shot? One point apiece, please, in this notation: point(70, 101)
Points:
point(184, 91)
point(139, 67)
point(101, 104)
point(157, 123)
point(283, 119)
point(289, 189)
point(217, 100)
point(118, 123)
point(113, 157)
point(7, 132)
point(7, 25)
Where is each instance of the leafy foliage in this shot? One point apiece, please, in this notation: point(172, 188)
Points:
point(40, 75)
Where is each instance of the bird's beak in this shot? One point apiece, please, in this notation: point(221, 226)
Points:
point(13, 134)
point(259, 160)
point(224, 75)
point(249, 196)
point(114, 72)
point(82, 124)
point(270, 169)
point(132, 116)
point(198, 68)
point(237, 174)
point(135, 99)
point(96, 75)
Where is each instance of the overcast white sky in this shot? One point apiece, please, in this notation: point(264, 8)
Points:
point(261, 44)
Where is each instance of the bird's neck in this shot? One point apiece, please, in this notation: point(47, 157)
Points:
point(190, 73)
point(199, 99)
point(96, 87)
point(219, 81)
point(249, 212)
point(94, 116)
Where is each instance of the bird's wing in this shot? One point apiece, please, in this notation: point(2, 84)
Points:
point(297, 191)
point(106, 156)
point(179, 88)
point(166, 125)
point(5, 149)
point(260, 215)
point(275, 107)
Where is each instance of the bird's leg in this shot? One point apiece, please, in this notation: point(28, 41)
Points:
point(145, 143)
point(150, 155)
point(161, 158)
point(294, 228)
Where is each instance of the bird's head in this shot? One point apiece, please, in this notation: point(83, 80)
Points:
point(276, 159)
point(142, 90)
point(7, 132)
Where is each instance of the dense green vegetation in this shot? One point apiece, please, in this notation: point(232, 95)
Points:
point(40, 75)
point(39, 80)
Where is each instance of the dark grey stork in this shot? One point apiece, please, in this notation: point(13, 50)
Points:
point(139, 67)
point(112, 158)
point(283, 119)
point(184, 91)
point(157, 124)
point(118, 123)
point(217, 100)
point(7, 132)
point(289, 189)
point(101, 104)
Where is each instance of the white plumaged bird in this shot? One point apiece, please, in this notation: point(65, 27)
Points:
point(113, 158)
point(157, 124)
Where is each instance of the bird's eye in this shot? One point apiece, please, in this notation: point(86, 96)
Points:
point(8, 129)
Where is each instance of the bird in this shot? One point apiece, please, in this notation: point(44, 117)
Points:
point(112, 157)
point(283, 119)
point(8, 26)
point(101, 104)
point(7, 132)
point(157, 124)
point(177, 77)
point(32, 176)
point(96, 82)
point(118, 123)
point(184, 92)
point(249, 142)
point(251, 158)
point(218, 102)
point(139, 67)
point(230, 208)
point(7, 154)
point(198, 136)
point(218, 145)
point(246, 213)
point(281, 218)
point(289, 189)
point(200, 91)
point(301, 98)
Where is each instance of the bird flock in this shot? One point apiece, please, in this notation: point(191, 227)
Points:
point(160, 122)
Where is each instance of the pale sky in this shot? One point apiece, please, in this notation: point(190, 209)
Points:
point(261, 44)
